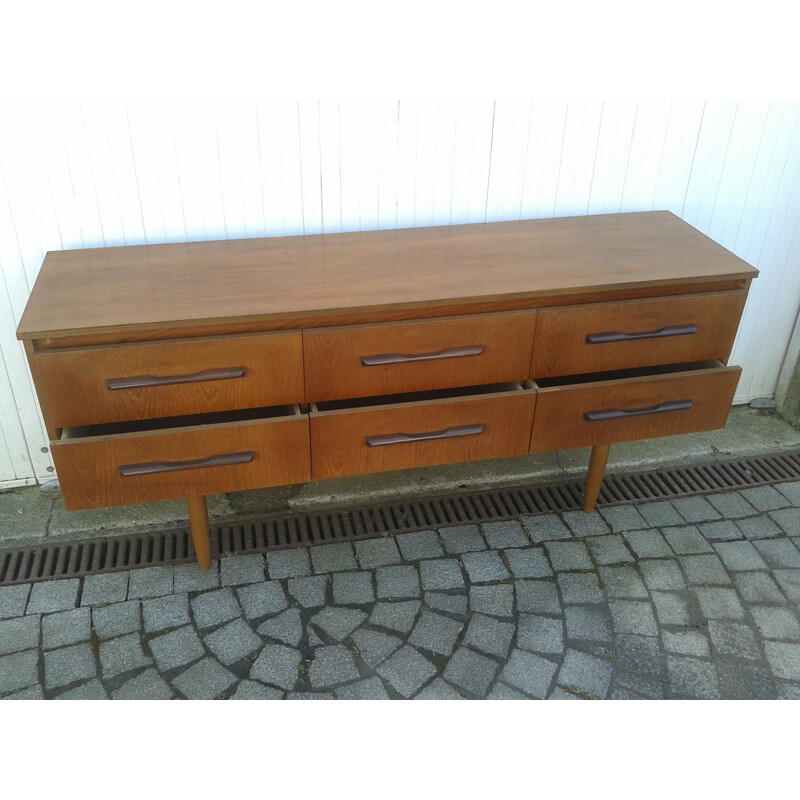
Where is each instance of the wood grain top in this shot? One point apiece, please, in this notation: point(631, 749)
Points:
point(201, 283)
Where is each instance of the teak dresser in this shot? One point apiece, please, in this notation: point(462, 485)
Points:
point(183, 370)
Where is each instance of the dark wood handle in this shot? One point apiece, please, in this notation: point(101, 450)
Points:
point(447, 433)
point(617, 413)
point(615, 336)
point(397, 358)
point(152, 467)
point(168, 380)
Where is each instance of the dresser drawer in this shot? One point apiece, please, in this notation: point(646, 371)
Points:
point(193, 376)
point(105, 465)
point(436, 428)
point(370, 360)
point(636, 333)
point(641, 404)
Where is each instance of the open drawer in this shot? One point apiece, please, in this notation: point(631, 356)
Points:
point(585, 410)
point(353, 437)
point(135, 462)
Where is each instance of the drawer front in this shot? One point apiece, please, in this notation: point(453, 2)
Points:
point(377, 439)
point(366, 361)
point(637, 333)
point(636, 408)
point(160, 465)
point(144, 381)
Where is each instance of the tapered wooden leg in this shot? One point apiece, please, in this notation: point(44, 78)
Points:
point(198, 521)
point(594, 480)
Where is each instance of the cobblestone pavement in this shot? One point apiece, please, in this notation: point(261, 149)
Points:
point(693, 598)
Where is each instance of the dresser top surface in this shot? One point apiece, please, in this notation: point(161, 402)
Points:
point(147, 286)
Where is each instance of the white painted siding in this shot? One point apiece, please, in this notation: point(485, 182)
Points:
point(94, 174)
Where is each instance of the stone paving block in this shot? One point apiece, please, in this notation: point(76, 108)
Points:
point(190, 578)
point(784, 659)
point(49, 596)
point(109, 587)
point(234, 641)
point(566, 556)
point(149, 685)
point(491, 635)
point(19, 670)
point(31, 693)
point(294, 563)
point(733, 639)
point(397, 582)
point(308, 592)
point(536, 597)
point(497, 600)
point(252, 690)
point(686, 641)
point(161, 613)
point(488, 567)
point(723, 530)
point(582, 524)
point(268, 597)
point(695, 509)
point(373, 553)
point(68, 665)
point(502, 691)
point(784, 690)
point(764, 498)
point(239, 570)
point(644, 686)
point(374, 646)
point(452, 603)
point(757, 587)
point(648, 544)
point(176, 648)
point(791, 491)
point(705, 569)
point(367, 689)
point(116, 619)
point(122, 655)
point(687, 541)
point(339, 557)
point(419, 545)
point(214, 607)
point(632, 616)
point(310, 696)
point(608, 550)
point(435, 632)
point(731, 505)
point(775, 622)
point(745, 682)
point(338, 623)
point(671, 608)
point(579, 587)
point(438, 690)
point(150, 582)
point(441, 573)
point(759, 528)
point(13, 600)
point(692, 679)
point(623, 518)
point(585, 673)
point(540, 634)
point(660, 514)
point(407, 671)
point(528, 672)
point(504, 534)
point(789, 580)
point(332, 665)
point(470, 671)
point(20, 633)
point(662, 575)
point(277, 665)
point(623, 582)
point(739, 556)
point(91, 690)
point(205, 680)
point(66, 627)
point(545, 528)
point(639, 654)
point(779, 553)
point(287, 627)
point(353, 588)
point(528, 562)
point(395, 616)
point(719, 603)
point(587, 622)
point(788, 520)
point(462, 539)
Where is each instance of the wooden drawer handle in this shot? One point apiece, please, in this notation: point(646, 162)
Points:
point(447, 433)
point(616, 413)
point(396, 358)
point(168, 380)
point(173, 466)
point(614, 336)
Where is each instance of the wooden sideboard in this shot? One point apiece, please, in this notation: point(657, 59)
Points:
point(183, 370)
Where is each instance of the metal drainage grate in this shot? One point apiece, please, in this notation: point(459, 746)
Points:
point(113, 554)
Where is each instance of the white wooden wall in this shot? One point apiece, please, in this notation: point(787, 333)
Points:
point(89, 175)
